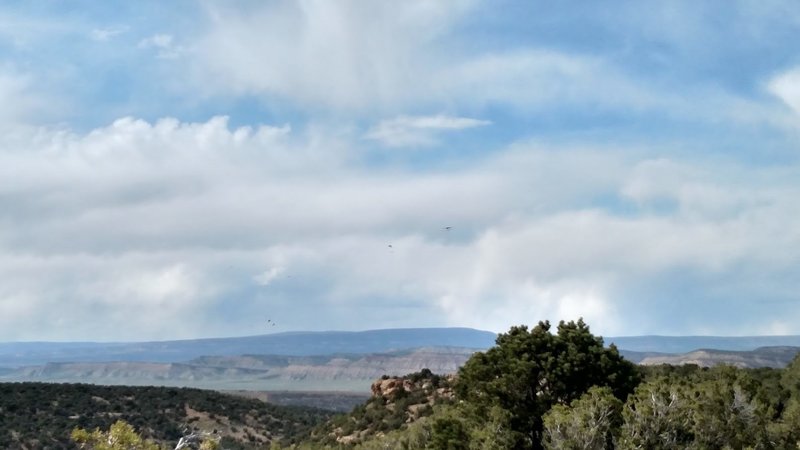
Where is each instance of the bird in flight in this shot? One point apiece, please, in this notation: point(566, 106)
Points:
point(447, 228)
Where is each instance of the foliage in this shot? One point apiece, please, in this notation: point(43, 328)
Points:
point(657, 415)
point(784, 430)
point(726, 412)
point(493, 432)
point(575, 389)
point(589, 423)
point(449, 433)
point(121, 436)
point(529, 371)
point(43, 415)
point(412, 399)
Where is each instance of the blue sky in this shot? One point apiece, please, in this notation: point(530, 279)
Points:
point(194, 168)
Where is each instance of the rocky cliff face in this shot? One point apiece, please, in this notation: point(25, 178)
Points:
point(371, 366)
point(395, 402)
point(424, 387)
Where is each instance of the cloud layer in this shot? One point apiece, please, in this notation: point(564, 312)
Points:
point(405, 131)
point(200, 171)
point(160, 225)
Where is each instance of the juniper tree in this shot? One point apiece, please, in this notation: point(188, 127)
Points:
point(529, 371)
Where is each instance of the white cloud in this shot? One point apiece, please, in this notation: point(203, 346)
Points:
point(786, 86)
point(416, 131)
point(107, 33)
point(344, 55)
point(268, 276)
point(164, 44)
point(347, 57)
point(161, 287)
point(532, 78)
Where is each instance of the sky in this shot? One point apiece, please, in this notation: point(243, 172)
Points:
point(191, 169)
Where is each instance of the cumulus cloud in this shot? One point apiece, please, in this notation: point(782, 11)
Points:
point(417, 131)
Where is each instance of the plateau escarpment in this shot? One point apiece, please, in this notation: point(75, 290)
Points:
point(349, 372)
point(775, 357)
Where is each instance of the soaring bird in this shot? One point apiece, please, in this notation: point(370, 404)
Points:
point(447, 228)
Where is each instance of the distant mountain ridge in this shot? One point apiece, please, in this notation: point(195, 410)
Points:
point(775, 357)
point(16, 354)
point(684, 344)
point(292, 343)
point(307, 343)
point(334, 359)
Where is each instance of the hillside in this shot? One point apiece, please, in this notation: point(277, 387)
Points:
point(39, 415)
point(329, 400)
point(395, 402)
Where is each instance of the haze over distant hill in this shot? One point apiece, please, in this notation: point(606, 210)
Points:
point(339, 372)
point(286, 361)
point(334, 360)
point(15, 354)
point(684, 344)
point(775, 357)
point(293, 343)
